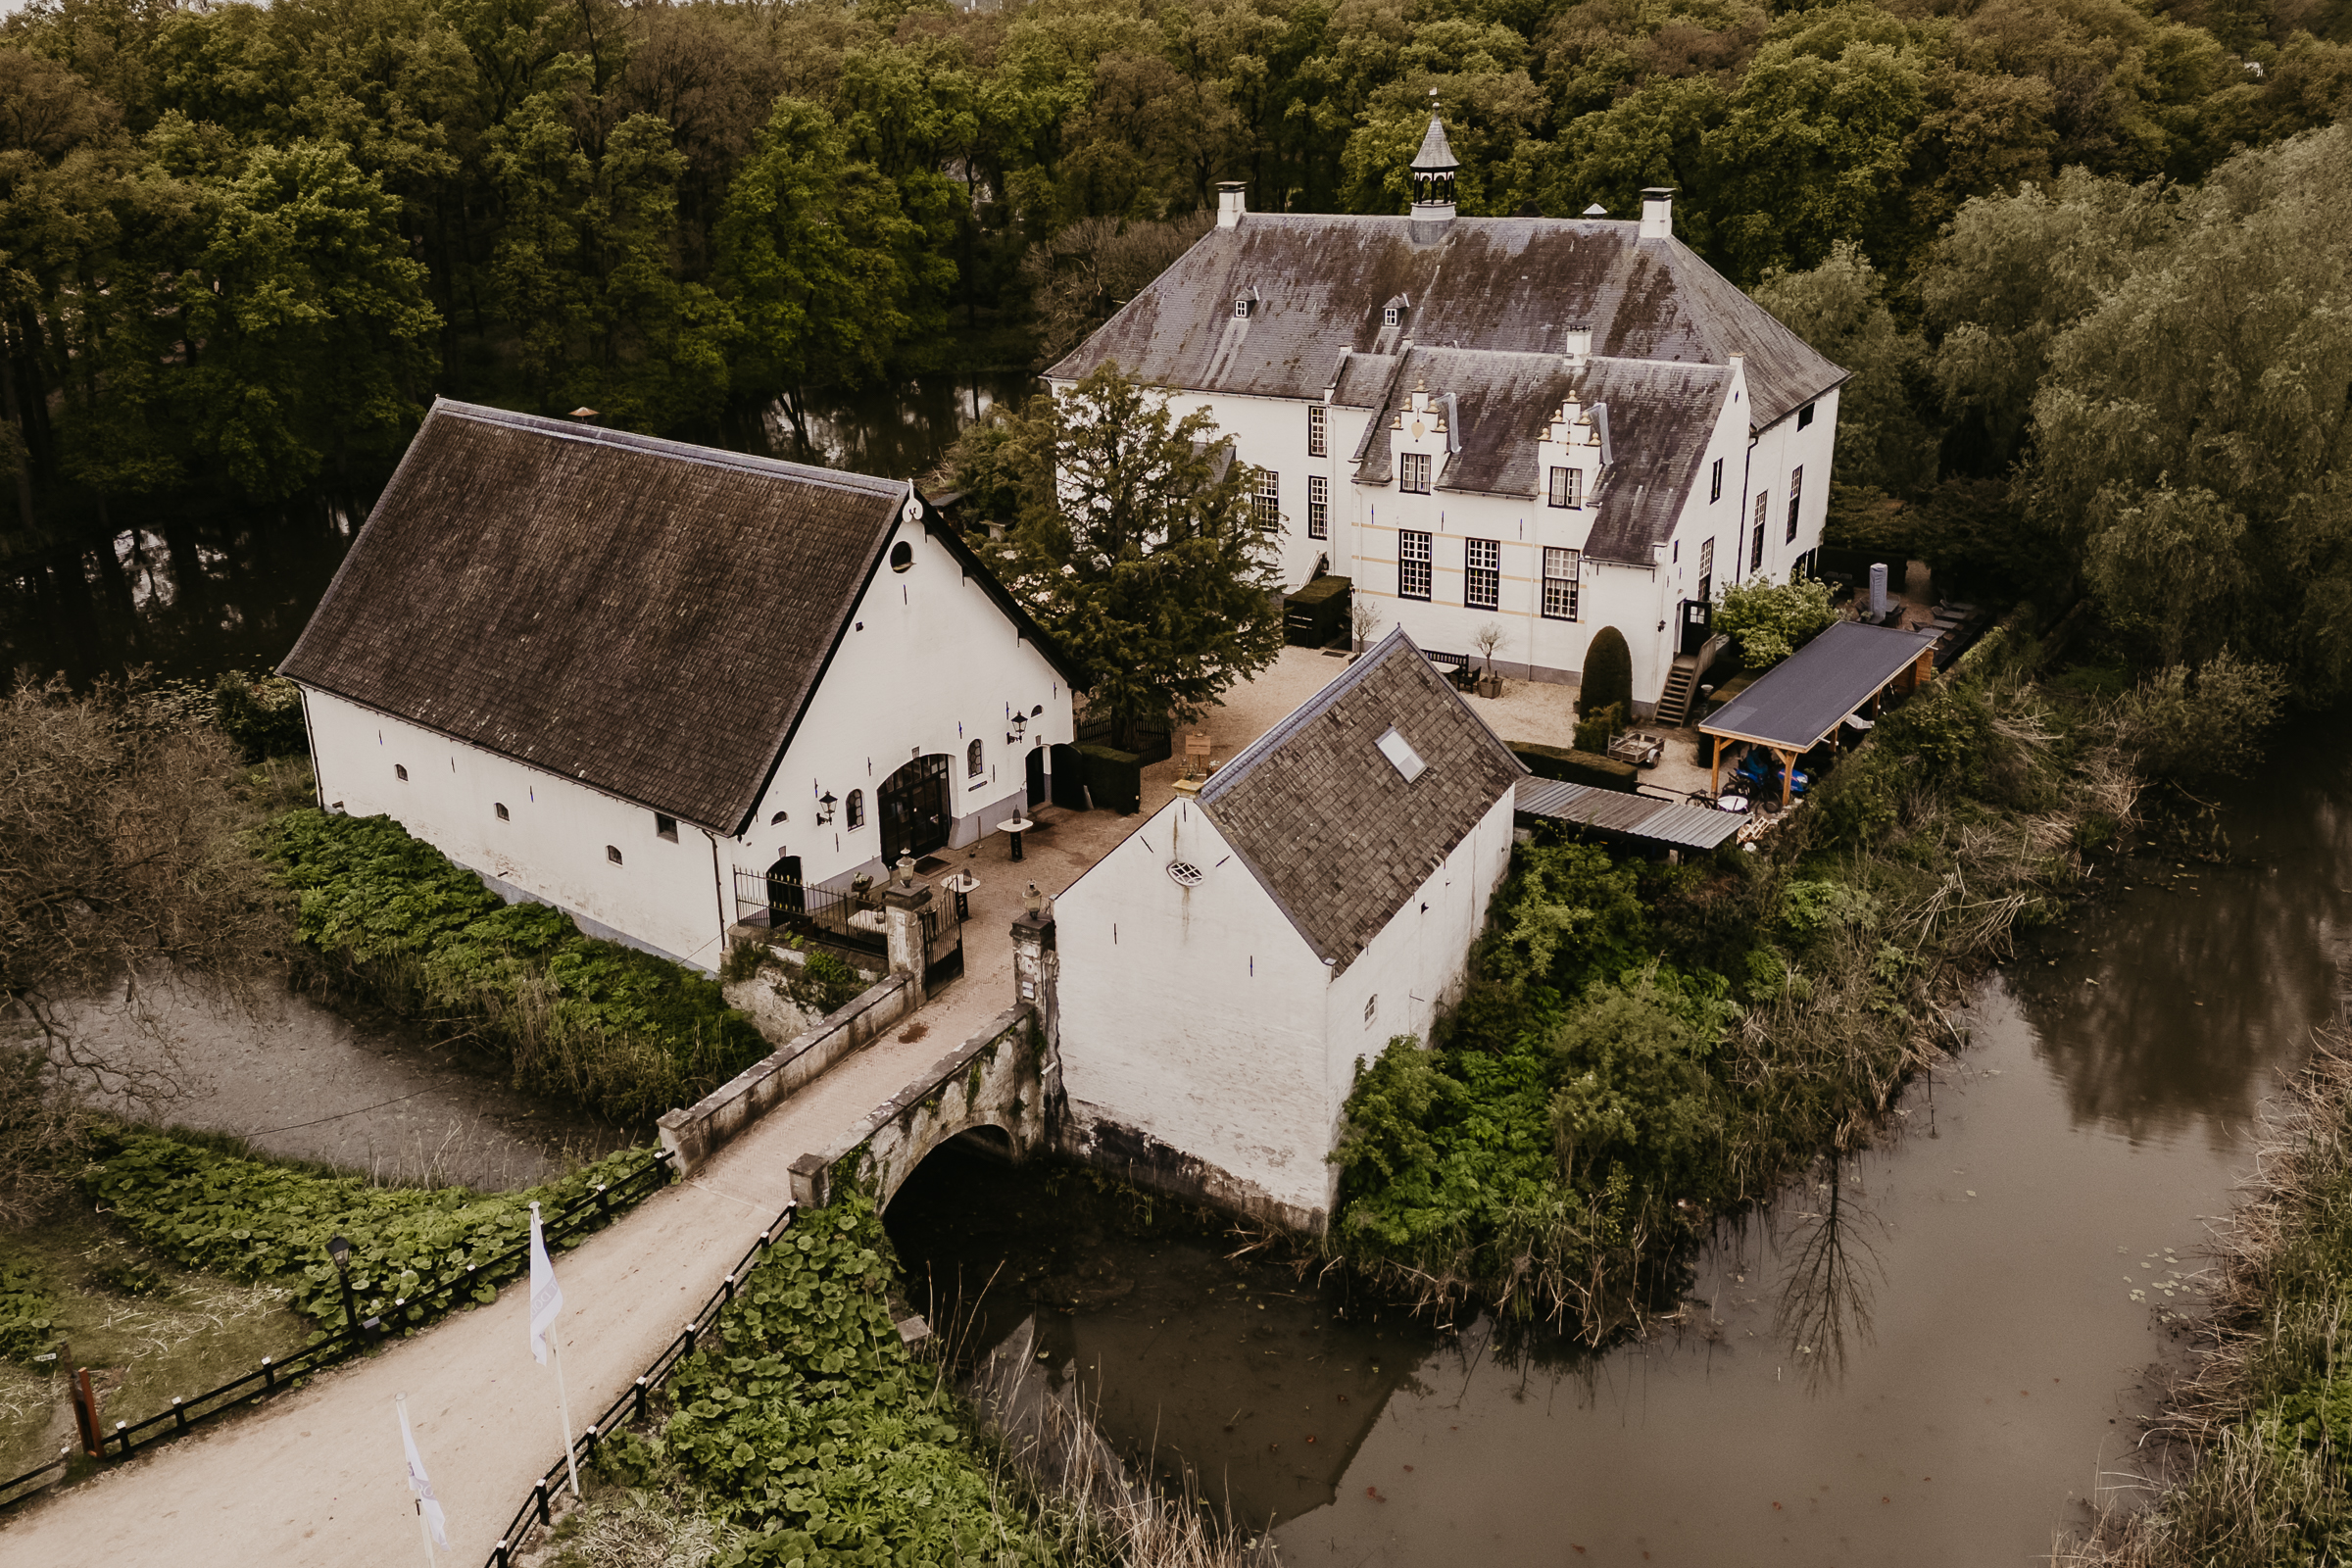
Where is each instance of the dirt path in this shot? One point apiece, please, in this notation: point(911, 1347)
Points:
point(315, 1480)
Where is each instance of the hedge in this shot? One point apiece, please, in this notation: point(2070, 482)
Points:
point(625, 1033)
point(1578, 768)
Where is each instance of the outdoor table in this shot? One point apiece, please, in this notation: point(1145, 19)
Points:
point(963, 884)
point(1730, 802)
point(1016, 827)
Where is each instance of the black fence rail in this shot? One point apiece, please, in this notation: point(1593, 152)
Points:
point(634, 1405)
point(590, 1211)
point(835, 916)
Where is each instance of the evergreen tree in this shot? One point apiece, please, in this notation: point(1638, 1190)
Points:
point(1132, 542)
point(1608, 674)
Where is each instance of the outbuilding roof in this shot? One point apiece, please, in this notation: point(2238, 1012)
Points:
point(1330, 824)
point(647, 618)
point(1659, 417)
point(1494, 284)
point(1794, 704)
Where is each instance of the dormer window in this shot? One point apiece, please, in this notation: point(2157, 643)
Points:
point(1567, 487)
point(1240, 310)
point(1392, 315)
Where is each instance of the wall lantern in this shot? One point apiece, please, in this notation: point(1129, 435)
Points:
point(1021, 726)
point(824, 807)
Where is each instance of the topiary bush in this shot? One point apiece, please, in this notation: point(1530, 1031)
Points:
point(1608, 677)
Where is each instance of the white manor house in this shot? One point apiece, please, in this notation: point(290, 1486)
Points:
point(1553, 425)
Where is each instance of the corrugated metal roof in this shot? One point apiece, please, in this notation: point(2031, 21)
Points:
point(1794, 704)
point(1641, 816)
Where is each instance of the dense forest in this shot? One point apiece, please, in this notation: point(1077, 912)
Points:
point(241, 246)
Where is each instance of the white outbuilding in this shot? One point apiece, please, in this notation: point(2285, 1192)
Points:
point(661, 686)
point(1226, 967)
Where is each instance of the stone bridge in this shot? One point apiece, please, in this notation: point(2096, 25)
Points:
point(995, 1087)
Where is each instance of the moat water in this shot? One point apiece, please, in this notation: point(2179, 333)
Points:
point(2015, 1258)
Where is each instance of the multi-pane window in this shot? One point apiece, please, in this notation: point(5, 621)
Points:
point(1715, 481)
point(1797, 490)
point(1265, 508)
point(973, 766)
point(1755, 558)
point(1567, 487)
point(1412, 564)
point(857, 807)
point(1706, 569)
point(1412, 472)
point(1559, 584)
point(1318, 431)
point(1482, 573)
point(1318, 508)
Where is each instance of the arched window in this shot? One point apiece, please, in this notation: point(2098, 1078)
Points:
point(972, 765)
point(612, 854)
point(902, 556)
point(856, 809)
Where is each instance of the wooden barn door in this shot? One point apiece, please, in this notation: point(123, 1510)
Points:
point(914, 803)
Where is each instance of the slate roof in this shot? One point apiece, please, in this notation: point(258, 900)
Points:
point(1436, 151)
point(1329, 826)
point(646, 617)
point(1660, 415)
point(1501, 285)
point(1795, 704)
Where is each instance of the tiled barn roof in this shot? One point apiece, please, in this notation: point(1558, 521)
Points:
point(1330, 827)
point(647, 618)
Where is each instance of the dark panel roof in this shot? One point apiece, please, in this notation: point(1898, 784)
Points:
point(1659, 420)
point(1508, 285)
point(1794, 704)
point(1640, 816)
point(645, 616)
point(1328, 824)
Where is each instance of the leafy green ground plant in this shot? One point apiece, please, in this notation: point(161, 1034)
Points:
point(254, 1219)
point(625, 1033)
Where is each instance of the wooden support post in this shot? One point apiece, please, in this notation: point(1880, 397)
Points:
point(1715, 768)
point(1787, 774)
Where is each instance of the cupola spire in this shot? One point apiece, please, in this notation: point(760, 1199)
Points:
point(1432, 171)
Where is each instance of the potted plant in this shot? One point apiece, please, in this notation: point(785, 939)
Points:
point(1489, 637)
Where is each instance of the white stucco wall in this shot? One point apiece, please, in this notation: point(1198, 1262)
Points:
point(1200, 1017)
point(929, 665)
point(663, 895)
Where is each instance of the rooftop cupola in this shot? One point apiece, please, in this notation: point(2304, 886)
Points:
point(1432, 169)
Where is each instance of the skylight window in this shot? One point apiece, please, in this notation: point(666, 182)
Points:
point(1402, 755)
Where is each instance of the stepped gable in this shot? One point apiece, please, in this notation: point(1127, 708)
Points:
point(1330, 827)
point(1512, 285)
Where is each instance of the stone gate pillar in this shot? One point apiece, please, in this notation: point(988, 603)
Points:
point(904, 901)
point(1036, 983)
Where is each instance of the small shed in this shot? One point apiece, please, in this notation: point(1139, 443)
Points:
point(1794, 706)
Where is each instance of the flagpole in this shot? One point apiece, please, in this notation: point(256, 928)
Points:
point(425, 1527)
point(554, 1348)
point(426, 1531)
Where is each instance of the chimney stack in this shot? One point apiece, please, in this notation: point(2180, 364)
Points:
point(1657, 212)
point(1231, 204)
point(1578, 346)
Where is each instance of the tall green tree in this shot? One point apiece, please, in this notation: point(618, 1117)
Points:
point(1840, 308)
point(1132, 542)
point(2195, 434)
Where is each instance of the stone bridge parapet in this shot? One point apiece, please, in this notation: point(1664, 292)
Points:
point(1002, 1077)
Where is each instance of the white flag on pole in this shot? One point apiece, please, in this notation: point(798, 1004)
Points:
point(547, 1296)
point(419, 1483)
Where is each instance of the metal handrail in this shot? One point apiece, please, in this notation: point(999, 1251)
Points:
point(538, 1510)
point(275, 1375)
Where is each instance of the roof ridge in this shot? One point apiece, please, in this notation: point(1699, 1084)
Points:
point(664, 446)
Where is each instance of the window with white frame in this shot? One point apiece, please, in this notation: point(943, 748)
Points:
point(1755, 558)
point(1412, 472)
point(1319, 506)
point(1559, 584)
point(855, 808)
point(1318, 431)
point(1482, 573)
point(1706, 567)
point(1265, 508)
point(1412, 564)
point(1797, 491)
point(1715, 481)
point(1567, 488)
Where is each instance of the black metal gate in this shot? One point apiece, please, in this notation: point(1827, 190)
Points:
point(943, 946)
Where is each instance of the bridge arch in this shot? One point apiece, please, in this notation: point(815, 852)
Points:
point(991, 1091)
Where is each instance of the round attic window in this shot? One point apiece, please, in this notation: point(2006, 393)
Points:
point(902, 556)
point(1184, 873)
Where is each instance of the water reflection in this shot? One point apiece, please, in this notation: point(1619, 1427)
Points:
point(1831, 1269)
point(1230, 1371)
